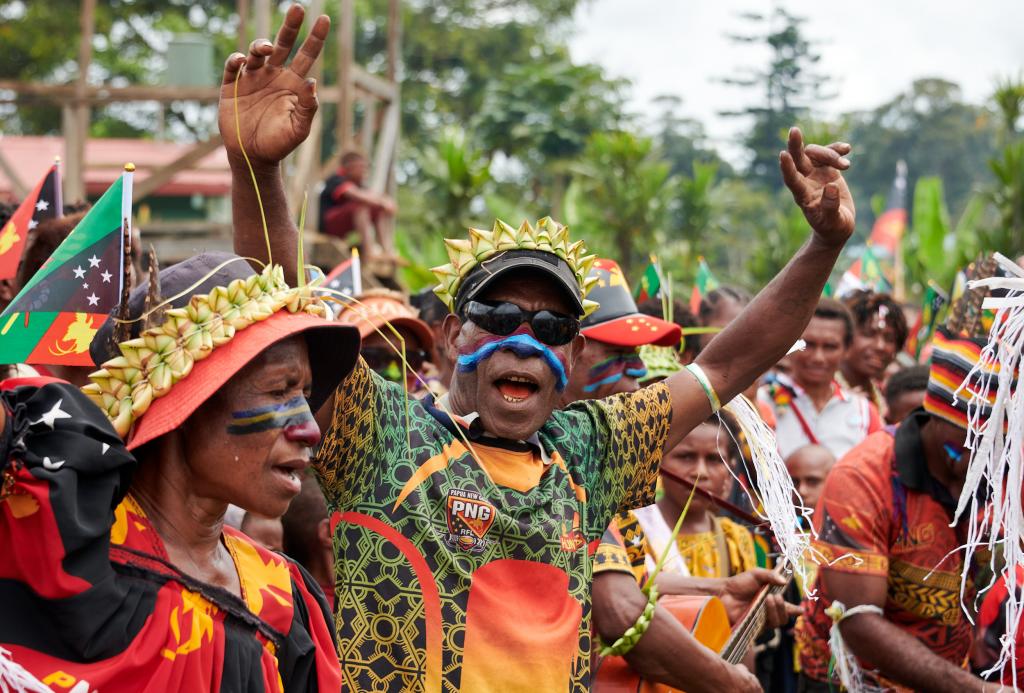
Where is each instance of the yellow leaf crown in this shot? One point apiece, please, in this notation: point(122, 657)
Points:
point(153, 362)
point(547, 236)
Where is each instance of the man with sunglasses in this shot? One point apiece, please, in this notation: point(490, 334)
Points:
point(465, 524)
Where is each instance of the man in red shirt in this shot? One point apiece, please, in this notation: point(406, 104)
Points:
point(347, 206)
point(888, 550)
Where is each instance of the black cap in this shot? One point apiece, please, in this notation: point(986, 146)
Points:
point(487, 272)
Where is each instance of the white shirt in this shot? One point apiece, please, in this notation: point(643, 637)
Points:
point(845, 420)
point(659, 536)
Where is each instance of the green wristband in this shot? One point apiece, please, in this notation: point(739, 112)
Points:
point(698, 373)
point(633, 634)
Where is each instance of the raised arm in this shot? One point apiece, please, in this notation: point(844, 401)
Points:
point(775, 319)
point(271, 106)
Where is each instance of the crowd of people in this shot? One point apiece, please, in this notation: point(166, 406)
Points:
point(518, 480)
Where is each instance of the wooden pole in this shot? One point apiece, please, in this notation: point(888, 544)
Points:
point(369, 123)
point(261, 8)
point(101, 95)
point(394, 39)
point(387, 144)
point(242, 44)
point(346, 61)
point(76, 117)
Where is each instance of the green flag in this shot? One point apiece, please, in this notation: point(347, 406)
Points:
point(649, 285)
point(703, 283)
point(53, 319)
point(871, 272)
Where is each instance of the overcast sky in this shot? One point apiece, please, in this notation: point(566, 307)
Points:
point(873, 49)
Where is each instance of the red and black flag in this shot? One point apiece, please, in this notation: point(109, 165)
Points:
point(44, 202)
point(54, 318)
point(346, 276)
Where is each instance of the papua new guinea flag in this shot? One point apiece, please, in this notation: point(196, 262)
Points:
point(44, 202)
point(53, 319)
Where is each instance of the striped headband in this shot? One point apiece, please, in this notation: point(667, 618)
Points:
point(953, 358)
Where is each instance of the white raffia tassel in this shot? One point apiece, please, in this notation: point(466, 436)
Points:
point(15, 678)
point(997, 453)
point(846, 667)
point(774, 489)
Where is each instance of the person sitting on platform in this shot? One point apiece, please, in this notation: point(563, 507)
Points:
point(346, 206)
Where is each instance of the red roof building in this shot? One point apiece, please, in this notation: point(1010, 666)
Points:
point(30, 156)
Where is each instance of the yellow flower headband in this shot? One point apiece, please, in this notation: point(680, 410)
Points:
point(150, 365)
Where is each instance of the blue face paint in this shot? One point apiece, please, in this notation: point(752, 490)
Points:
point(522, 345)
point(954, 452)
point(293, 412)
point(620, 365)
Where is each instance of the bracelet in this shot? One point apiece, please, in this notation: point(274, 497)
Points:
point(632, 636)
point(698, 373)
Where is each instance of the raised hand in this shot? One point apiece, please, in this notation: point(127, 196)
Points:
point(812, 174)
point(275, 103)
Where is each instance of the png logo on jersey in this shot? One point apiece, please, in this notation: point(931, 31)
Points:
point(469, 517)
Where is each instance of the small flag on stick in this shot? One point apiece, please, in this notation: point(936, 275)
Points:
point(44, 202)
point(54, 318)
point(704, 282)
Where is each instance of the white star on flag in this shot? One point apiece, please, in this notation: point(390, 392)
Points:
point(106, 276)
point(79, 272)
point(93, 299)
point(42, 205)
point(94, 261)
point(52, 466)
point(32, 223)
point(85, 285)
point(50, 417)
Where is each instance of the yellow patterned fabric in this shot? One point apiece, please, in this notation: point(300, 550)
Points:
point(725, 551)
point(704, 555)
point(447, 580)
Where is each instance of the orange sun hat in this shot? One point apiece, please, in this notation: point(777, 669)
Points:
point(167, 372)
point(379, 307)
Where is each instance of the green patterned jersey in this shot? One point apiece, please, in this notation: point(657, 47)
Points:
point(448, 581)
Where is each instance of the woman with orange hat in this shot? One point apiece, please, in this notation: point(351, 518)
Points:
point(119, 573)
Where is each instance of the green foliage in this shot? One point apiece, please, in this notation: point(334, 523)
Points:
point(777, 241)
point(452, 175)
point(624, 195)
point(924, 245)
point(934, 131)
point(1006, 197)
point(788, 87)
point(39, 41)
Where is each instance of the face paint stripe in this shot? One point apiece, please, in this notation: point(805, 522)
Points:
point(613, 378)
point(523, 346)
point(276, 421)
point(269, 415)
point(293, 403)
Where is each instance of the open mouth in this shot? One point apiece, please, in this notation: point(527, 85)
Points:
point(291, 474)
point(516, 388)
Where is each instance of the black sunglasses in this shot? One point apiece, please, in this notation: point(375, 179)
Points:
point(379, 358)
point(503, 318)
